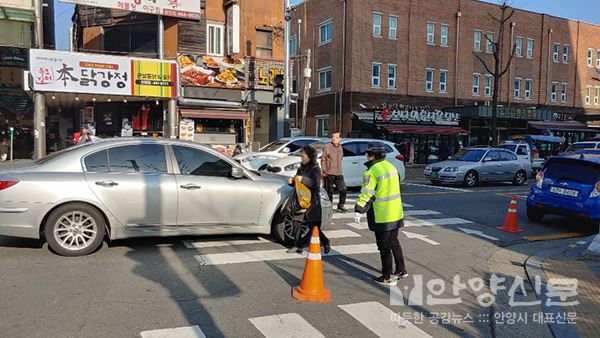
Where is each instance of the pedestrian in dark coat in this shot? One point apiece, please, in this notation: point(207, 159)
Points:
point(309, 174)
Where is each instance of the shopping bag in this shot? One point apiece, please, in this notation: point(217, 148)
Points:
point(303, 194)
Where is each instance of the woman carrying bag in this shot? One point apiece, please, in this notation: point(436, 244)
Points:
point(308, 177)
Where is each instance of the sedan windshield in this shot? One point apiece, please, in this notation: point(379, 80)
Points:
point(273, 146)
point(469, 155)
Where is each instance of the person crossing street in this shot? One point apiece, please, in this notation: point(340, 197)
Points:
point(331, 164)
point(380, 199)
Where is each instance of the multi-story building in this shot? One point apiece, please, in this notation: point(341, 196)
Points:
point(228, 57)
point(420, 59)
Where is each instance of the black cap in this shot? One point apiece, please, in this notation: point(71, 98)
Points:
point(376, 148)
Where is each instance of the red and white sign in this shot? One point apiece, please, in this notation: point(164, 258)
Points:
point(186, 9)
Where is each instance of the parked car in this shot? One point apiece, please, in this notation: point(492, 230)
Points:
point(567, 185)
point(352, 163)
point(473, 165)
point(583, 145)
point(524, 152)
point(258, 160)
point(123, 188)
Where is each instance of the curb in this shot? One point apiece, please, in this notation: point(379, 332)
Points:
point(533, 267)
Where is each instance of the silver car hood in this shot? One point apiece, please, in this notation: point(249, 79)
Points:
point(268, 177)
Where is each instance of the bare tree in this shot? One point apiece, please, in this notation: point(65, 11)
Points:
point(497, 70)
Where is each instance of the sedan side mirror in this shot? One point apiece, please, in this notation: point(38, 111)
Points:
point(237, 173)
point(286, 150)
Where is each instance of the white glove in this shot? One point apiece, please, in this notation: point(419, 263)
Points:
point(357, 217)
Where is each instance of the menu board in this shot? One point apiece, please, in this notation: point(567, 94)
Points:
point(186, 130)
point(212, 71)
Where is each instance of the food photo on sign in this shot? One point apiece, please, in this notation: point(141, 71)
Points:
point(210, 71)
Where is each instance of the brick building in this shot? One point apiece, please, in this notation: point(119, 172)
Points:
point(417, 57)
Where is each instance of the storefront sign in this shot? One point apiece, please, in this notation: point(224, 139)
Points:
point(211, 71)
point(262, 73)
point(14, 57)
point(186, 9)
point(411, 115)
point(55, 71)
point(186, 130)
point(233, 29)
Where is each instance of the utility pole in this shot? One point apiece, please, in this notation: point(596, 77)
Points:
point(286, 67)
point(307, 86)
point(39, 110)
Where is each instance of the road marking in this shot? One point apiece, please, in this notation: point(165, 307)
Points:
point(289, 325)
point(350, 214)
point(421, 212)
point(382, 321)
point(279, 254)
point(436, 187)
point(359, 226)
point(554, 236)
point(180, 332)
point(195, 244)
point(341, 233)
point(420, 237)
point(435, 222)
point(477, 233)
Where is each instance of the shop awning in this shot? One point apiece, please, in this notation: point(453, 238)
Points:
point(573, 126)
point(425, 130)
point(220, 114)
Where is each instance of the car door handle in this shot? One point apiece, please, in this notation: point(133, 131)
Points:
point(354, 162)
point(190, 186)
point(107, 184)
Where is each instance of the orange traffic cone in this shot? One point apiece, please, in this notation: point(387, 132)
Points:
point(312, 288)
point(510, 222)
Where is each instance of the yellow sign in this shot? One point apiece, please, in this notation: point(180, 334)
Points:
point(154, 78)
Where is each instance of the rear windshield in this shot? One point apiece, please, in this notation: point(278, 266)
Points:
point(573, 170)
point(273, 146)
point(61, 153)
point(575, 146)
point(511, 147)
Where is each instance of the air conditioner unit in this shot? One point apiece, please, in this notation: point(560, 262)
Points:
point(487, 103)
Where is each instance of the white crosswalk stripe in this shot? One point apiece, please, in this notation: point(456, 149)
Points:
point(350, 214)
point(289, 325)
point(219, 243)
point(435, 222)
point(436, 187)
point(180, 332)
point(279, 254)
point(421, 212)
point(382, 321)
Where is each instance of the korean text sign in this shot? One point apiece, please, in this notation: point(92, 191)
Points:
point(55, 71)
point(186, 9)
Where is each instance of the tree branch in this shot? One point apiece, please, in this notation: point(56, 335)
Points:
point(494, 18)
point(487, 69)
point(510, 59)
point(512, 12)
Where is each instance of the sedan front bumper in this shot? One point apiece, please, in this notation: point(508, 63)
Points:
point(445, 177)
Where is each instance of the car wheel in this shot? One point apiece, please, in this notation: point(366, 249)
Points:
point(75, 230)
point(535, 215)
point(436, 183)
point(471, 179)
point(283, 229)
point(520, 178)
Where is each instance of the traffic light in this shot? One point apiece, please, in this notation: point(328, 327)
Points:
point(278, 89)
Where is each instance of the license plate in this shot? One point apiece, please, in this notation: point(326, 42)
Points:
point(435, 175)
point(565, 192)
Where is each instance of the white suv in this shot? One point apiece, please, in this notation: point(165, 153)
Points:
point(258, 160)
point(352, 164)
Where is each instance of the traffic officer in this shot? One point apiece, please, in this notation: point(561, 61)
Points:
point(380, 199)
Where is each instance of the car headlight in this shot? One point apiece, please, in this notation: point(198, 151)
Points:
point(427, 168)
point(292, 167)
point(451, 169)
point(596, 192)
point(247, 159)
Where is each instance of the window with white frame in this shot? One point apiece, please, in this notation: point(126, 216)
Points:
point(590, 57)
point(325, 79)
point(377, 24)
point(588, 95)
point(597, 96)
point(598, 60)
point(555, 52)
point(517, 88)
point(530, 43)
point(563, 92)
point(565, 54)
point(444, 29)
point(392, 76)
point(528, 87)
point(322, 126)
point(326, 32)
point(443, 81)
point(376, 75)
point(215, 38)
point(393, 27)
point(264, 43)
point(519, 46)
point(430, 33)
point(429, 80)
point(553, 91)
point(476, 77)
point(477, 40)
point(489, 42)
point(487, 86)
point(293, 45)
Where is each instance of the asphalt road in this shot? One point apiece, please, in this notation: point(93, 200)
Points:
point(240, 286)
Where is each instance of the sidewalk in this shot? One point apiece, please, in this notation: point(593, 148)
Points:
point(567, 263)
point(7, 165)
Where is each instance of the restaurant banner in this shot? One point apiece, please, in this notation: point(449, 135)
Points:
point(55, 71)
point(406, 114)
point(262, 72)
point(186, 9)
point(212, 71)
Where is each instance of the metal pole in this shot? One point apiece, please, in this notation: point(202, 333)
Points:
point(39, 111)
point(307, 86)
point(161, 37)
point(12, 132)
point(298, 67)
point(286, 70)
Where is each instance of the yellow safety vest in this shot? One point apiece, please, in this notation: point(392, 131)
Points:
point(383, 182)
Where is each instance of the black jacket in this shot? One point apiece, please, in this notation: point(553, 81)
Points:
point(373, 226)
point(311, 178)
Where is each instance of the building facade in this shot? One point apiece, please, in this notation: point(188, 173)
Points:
point(420, 60)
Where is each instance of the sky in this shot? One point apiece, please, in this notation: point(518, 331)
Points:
point(584, 10)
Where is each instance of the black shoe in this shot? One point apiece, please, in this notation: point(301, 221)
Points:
point(385, 282)
point(294, 250)
point(327, 248)
point(400, 274)
point(341, 208)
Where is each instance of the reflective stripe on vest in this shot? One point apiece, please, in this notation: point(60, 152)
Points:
point(387, 199)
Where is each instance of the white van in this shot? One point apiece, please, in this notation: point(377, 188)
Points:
point(584, 145)
point(524, 152)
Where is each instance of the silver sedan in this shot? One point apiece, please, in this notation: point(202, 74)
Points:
point(474, 165)
point(123, 188)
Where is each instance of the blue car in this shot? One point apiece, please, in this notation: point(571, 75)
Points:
point(567, 185)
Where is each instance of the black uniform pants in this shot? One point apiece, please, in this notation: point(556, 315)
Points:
point(302, 242)
point(388, 245)
point(333, 181)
